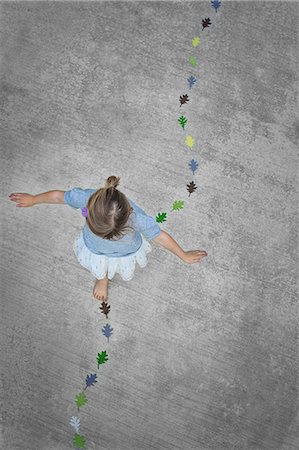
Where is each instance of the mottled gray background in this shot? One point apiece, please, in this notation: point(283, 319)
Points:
point(203, 356)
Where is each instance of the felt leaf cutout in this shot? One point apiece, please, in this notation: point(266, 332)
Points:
point(216, 4)
point(161, 217)
point(191, 81)
point(81, 400)
point(183, 121)
point(193, 165)
point(205, 22)
point(102, 358)
point(107, 331)
point(189, 141)
point(79, 441)
point(195, 41)
point(191, 187)
point(184, 99)
point(75, 422)
point(84, 212)
point(178, 204)
point(105, 309)
point(192, 61)
point(90, 380)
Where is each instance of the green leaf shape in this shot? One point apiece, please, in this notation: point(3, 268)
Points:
point(182, 120)
point(177, 204)
point(79, 441)
point(192, 61)
point(81, 400)
point(102, 358)
point(161, 217)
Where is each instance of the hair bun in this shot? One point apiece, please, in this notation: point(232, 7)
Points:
point(112, 181)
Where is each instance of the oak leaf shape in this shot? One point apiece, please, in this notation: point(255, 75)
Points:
point(184, 99)
point(191, 187)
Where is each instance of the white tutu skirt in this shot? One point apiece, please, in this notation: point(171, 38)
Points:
point(99, 265)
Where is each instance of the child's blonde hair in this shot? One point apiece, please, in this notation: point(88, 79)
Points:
point(108, 210)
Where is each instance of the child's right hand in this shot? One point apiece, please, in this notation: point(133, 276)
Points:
point(193, 256)
point(23, 200)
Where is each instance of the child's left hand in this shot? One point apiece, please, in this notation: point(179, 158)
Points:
point(193, 256)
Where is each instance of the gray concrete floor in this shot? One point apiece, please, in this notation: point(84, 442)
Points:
point(203, 356)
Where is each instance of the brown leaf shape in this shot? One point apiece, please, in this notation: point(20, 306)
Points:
point(105, 309)
point(191, 187)
point(205, 22)
point(184, 99)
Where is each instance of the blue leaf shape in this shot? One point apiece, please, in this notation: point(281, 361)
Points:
point(75, 422)
point(216, 4)
point(91, 379)
point(193, 165)
point(191, 81)
point(107, 331)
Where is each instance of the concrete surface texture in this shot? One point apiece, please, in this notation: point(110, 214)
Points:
point(202, 356)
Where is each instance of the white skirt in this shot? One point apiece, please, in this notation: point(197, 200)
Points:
point(99, 265)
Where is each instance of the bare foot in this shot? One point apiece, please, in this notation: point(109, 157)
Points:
point(100, 290)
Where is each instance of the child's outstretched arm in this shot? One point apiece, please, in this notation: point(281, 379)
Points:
point(26, 200)
point(170, 244)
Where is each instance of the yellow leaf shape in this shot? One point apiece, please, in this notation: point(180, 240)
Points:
point(195, 41)
point(189, 141)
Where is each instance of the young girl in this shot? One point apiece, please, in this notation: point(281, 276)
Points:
point(115, 234)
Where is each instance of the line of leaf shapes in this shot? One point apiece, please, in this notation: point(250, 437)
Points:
point(161, 217)
point(80, 399)
point(182, 120)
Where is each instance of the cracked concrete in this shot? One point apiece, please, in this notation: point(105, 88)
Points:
point(203, 356)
